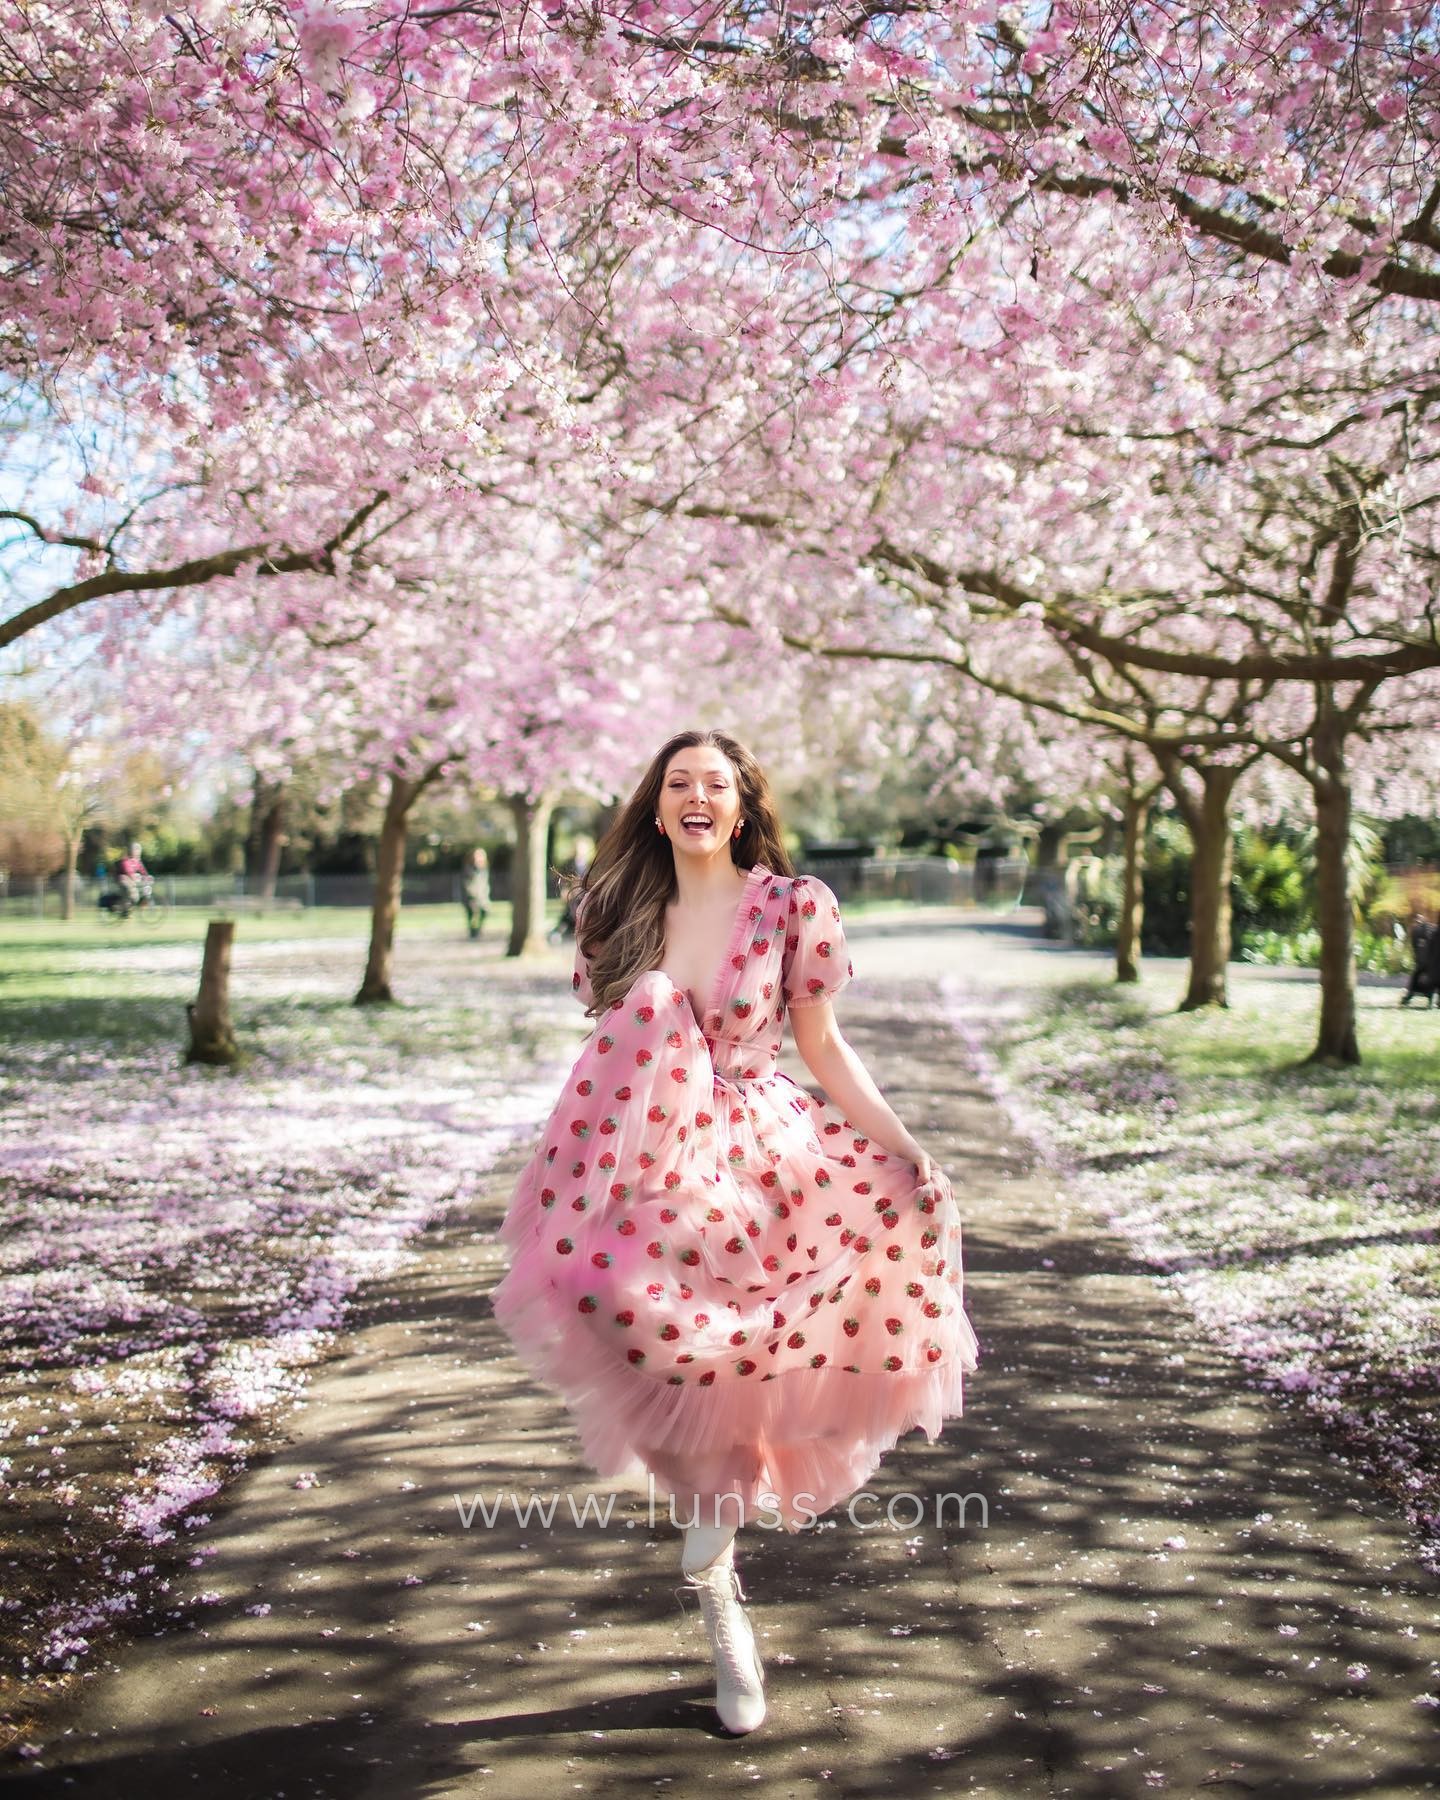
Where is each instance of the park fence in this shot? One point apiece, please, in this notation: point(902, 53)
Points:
point(928, 880)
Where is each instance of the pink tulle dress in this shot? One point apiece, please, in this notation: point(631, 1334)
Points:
point(729, 1287)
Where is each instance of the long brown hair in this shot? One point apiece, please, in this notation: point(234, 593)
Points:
point(621, 901)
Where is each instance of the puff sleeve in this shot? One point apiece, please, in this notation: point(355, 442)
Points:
point(817, 964)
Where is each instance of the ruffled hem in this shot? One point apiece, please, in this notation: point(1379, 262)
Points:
point(808, 1437)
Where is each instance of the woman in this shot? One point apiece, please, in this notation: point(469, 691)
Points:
point(744, 1292)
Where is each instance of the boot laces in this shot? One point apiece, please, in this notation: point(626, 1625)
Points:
point(720, 1593)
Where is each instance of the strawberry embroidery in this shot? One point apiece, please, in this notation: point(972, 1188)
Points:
point(758, 1175)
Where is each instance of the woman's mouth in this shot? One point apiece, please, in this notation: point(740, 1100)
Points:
point(695, 824)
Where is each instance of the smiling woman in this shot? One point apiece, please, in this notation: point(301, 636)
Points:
point(743, 1291)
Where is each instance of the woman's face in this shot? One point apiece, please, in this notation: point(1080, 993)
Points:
point(699, 801)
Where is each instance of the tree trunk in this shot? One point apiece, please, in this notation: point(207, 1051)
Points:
point(266, 838)
point(527, 874)
point(1337, 1043)
point(272, 839)
point(67, 896)
point(389, 876)
point(212, 1038)
point(1210, 871)
point(1138, 801)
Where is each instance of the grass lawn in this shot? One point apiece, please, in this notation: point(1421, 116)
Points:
point(1296, 1208)
point(178, 1244)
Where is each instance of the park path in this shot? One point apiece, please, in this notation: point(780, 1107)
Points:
point(1175, 1577)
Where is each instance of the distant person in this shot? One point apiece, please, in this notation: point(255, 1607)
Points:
point(574, 886)
point(1425, 948)
point(133, 876)
point(476, 894)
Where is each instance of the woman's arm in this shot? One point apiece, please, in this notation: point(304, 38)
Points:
point(849, 1085)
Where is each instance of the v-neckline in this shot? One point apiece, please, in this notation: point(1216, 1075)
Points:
point(737, 925)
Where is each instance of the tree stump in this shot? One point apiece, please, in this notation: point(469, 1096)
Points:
point(212, 1037)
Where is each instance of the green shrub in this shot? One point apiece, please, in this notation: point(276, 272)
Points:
point(1378, 953)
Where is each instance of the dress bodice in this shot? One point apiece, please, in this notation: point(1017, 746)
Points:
point(786, 948)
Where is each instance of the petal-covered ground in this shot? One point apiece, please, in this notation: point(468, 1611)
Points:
point(178, 1244)
point(1295, 1208)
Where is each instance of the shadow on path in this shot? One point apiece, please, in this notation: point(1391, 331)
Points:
point(1160, 1582)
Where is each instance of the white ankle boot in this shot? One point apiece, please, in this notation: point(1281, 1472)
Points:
point(739, 1678)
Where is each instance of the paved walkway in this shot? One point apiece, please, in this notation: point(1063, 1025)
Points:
point(1174, 1579)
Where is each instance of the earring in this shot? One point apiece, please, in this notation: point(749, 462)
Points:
point(739, 824)
point(658, 826)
